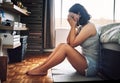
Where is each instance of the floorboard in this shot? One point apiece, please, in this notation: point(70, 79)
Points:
point(16, 72)
point(64, 72)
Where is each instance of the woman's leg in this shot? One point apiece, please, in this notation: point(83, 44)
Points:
point(75, 58)
point(50, 56)
point(53, 53)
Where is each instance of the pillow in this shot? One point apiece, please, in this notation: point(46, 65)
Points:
point(110, 33)
point(108, 26)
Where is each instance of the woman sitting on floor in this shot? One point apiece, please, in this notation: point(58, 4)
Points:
point(82, 33)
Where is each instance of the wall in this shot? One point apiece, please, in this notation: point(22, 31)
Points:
point(61, 35)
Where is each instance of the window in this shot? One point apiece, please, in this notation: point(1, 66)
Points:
point(102, 11)
point(117, 11)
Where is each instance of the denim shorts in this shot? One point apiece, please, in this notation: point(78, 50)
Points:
point(92, 67)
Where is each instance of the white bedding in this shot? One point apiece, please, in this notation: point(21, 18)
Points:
point(110, 33)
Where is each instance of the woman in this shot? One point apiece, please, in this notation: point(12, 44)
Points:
point(82, 33)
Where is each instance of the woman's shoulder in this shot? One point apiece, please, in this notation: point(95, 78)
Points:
point(90, 24)
point(91, 27)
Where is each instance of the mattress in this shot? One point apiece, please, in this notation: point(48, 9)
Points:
point(111, 46)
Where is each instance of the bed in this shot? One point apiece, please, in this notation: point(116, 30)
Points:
point(109, 65)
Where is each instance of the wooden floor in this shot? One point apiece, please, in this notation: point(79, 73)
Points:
point(16, 71)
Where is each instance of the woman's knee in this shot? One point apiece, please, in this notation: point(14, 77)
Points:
point(64, 46)
point(61, 44)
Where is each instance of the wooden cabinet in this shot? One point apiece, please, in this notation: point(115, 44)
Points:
point(15, 12)
point(10, 35)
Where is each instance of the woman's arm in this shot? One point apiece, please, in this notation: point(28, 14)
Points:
point(72, 32)
point(73, 20)
point(68, 37)
point(87, 31)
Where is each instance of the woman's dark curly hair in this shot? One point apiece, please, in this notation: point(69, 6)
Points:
point(79, 9)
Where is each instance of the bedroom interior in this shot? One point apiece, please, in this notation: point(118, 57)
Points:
point(42, 30)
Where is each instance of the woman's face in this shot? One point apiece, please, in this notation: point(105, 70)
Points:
point(75, 17)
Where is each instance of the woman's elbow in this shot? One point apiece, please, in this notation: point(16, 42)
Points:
point(72, 44)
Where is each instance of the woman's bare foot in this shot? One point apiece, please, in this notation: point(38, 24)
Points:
point(36, 72)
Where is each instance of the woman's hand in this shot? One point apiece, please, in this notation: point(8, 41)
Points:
point(71, 21)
